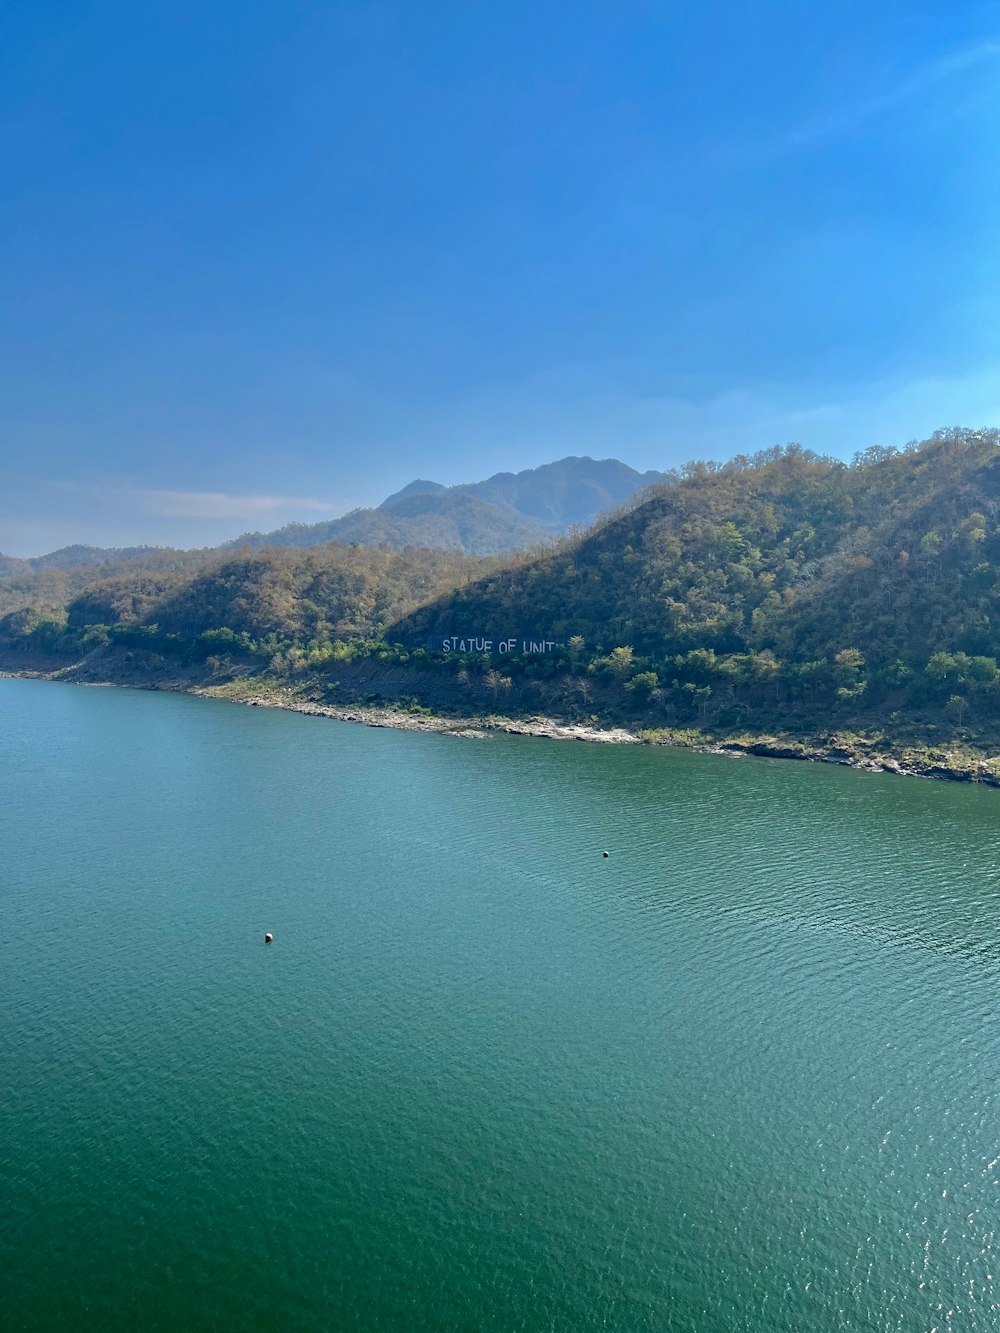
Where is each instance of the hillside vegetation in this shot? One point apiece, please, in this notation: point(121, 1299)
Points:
point(784, 551)
point(778, 582)
point(251, 603)
point(49, 582)
point(782, 592)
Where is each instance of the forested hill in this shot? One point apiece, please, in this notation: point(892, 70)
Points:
point(248, 597)
point(797, 591)
point(50, 581)
point(79, 557)
point(896, 556)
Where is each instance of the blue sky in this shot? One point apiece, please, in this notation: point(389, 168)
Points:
point(268, 262)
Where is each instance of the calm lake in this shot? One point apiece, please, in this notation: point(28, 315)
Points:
point(740, 1077)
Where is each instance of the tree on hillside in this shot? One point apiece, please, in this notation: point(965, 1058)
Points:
point(496, 683)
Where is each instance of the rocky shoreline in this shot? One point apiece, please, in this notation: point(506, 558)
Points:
point(948, 767)
point(551, 729)
point(475, 728)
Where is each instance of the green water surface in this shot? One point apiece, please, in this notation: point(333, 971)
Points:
point(739, 1077)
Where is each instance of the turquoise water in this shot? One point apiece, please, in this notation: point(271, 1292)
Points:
point(740, 1076)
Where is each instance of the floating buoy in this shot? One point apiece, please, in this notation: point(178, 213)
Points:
point(268, 938)
point(605, 855)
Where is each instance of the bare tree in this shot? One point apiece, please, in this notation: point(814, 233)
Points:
point(497, 683)
point(583, 687)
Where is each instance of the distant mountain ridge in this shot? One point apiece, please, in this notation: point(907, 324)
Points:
point(75, 557)
point(507, 512)
point(445, 522)
point(414, 488)
point(510, 511)
point(572, 492)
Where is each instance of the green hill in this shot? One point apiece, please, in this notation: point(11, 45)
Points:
point(784, 551)
point(50, 581)
point(785, 594)
point(250, 603)
point(786, 586)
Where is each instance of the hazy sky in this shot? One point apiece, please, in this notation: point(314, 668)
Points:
point(263, 262)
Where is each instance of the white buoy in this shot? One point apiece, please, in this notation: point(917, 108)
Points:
point(268, 938)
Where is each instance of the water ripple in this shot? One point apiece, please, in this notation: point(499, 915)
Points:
point(738, 1076)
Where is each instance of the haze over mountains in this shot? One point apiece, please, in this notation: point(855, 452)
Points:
point(507, 512)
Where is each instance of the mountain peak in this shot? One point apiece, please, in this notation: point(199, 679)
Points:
point(413, 488)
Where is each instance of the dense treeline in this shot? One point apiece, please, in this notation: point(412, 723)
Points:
point(51, 581)
point(783, 581)
point(275, 596)
point(784, 586)
point(784, 551)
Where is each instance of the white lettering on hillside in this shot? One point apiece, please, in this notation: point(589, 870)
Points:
point(478, 643)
